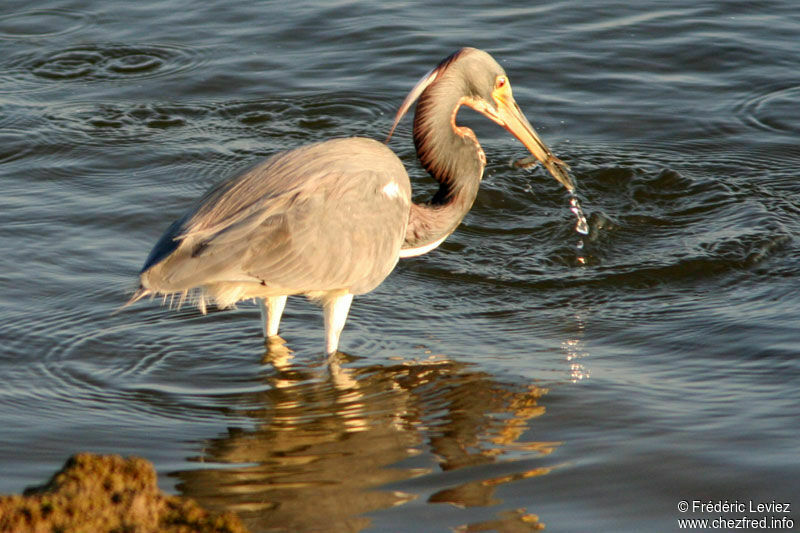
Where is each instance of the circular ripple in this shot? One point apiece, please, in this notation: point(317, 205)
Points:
point(111, 62)
point(650, 224)
point(86, 361)
point(777, 110)
point(316, 117)
point(40, 23)
point(94, 63)
point(227, 130)
point(106, 123)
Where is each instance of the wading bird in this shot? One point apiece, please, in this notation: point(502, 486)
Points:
point(330, 220)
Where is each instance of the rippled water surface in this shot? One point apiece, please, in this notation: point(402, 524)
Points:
point(507, 381)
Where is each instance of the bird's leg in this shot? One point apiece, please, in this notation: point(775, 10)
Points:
point(271, 311)
point(335, 308)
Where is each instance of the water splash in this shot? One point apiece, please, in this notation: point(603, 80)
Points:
point(581, 226)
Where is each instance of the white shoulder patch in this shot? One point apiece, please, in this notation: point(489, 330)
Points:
point(391, 189)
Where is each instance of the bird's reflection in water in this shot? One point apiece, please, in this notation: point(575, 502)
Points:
point(327, 437)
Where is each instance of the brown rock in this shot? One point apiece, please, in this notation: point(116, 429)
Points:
point(108, 493)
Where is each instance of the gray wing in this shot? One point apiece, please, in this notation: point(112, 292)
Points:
point(322, 217)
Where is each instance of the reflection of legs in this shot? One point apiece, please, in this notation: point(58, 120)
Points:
point(277, 353)
point(343, 380)
point(271, 311)
point(335, 308)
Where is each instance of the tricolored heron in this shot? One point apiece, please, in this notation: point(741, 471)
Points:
point(330, 220)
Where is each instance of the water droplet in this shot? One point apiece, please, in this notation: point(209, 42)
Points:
point(581, 226)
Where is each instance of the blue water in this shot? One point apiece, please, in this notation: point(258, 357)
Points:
point(508, 380)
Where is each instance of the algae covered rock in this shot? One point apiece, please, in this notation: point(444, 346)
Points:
point(108, 493)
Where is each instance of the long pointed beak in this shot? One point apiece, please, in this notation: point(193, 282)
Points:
point(517, 124)
point(510, 116)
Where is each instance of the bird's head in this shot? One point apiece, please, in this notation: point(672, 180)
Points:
point(479, 82)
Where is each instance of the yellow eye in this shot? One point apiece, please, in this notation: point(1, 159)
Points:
point(499, 82)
